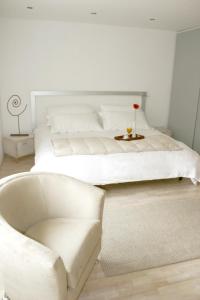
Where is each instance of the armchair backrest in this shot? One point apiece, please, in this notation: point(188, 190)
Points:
point(27, 198)
point(21, 202)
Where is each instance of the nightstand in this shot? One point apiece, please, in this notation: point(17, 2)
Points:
point(164, 130)
point(18, 146)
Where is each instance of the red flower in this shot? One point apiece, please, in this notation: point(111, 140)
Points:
point(136, 106)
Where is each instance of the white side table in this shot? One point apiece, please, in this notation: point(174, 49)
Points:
point(18, 146)
point(165, 130)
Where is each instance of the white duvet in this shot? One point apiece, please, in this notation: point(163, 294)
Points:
point(115, 168)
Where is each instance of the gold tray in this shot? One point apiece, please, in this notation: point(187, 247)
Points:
point(130, 138)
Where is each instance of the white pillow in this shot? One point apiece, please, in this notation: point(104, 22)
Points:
point(62, 123)
point(69, 108)
point(113, 120)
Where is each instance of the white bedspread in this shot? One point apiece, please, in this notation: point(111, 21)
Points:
point(105, 145)
point(118, 167)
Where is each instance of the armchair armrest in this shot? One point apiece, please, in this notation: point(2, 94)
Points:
point(30, 270)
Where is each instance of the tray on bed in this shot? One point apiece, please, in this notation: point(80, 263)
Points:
point(130, 138)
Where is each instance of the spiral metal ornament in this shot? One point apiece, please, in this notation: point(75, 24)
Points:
point(15, 109)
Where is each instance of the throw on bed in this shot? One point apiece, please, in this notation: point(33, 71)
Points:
point(104, 145)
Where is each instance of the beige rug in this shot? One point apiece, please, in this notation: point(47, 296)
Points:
point(150, 226)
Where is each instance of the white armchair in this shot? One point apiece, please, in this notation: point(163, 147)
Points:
point(50, 235)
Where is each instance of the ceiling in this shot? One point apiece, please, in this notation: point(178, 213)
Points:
point(176, 15)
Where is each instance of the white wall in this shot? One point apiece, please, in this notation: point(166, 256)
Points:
point(47, 55)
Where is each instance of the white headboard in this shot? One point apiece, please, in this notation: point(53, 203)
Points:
point(41, 100)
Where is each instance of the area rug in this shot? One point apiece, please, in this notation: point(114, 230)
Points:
point(150, 230)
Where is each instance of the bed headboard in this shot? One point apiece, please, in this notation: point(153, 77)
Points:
point(40, 100)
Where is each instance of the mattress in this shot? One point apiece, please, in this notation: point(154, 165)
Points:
point(118, 167)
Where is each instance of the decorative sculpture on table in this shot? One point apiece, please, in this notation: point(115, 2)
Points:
point(14, 107)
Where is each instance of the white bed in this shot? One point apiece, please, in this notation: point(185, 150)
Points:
point(118, 167)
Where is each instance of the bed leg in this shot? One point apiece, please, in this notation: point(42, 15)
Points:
point(194, 181)
point(180, 178)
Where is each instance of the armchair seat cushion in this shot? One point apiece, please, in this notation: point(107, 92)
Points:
point(74, 240)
